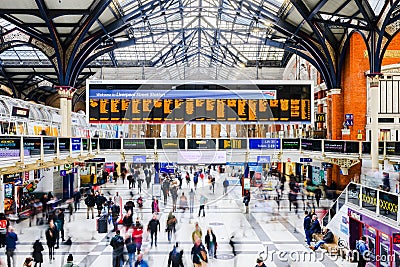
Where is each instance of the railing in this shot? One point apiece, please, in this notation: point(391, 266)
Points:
point(380, 202)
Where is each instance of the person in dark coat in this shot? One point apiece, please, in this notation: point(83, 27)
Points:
point(315, 226)
point(51, 238)
point(211, 243)
point(328, 238)
point(175, 258)
point(153, 227)
point(37, 253)
point(307, 227)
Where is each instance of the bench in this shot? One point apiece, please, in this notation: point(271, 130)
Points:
point(330, 247)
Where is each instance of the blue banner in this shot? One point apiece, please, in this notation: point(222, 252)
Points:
point(139, 159)
point(263, 159)
point(181, 94)
point(235, 164)
point(268, 143)
point(76, 144)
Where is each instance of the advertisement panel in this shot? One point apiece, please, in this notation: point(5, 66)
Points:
point(76, 144)
point(10, 147)
point(32, 145)
point(138, 143)
point(170, 143)
point(232, 143)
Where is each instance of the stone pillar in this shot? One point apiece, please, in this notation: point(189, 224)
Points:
point(373, 82)
point(223, 133)
point(66, 93)
point(335, 114)
point(233, 131)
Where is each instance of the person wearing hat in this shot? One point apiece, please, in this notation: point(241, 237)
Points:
point(260, 262)
point(70, 261)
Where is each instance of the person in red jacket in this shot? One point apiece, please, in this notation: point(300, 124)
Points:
point(137, 235)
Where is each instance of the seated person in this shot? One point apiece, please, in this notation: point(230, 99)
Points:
point(328, 238)
point(315, 225)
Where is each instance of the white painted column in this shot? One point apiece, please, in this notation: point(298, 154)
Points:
point(189, 133)
point(163, 132)
point(373, 82)
point(66, 93)
point(222, 132)
point(233, 132)
point(63, 113)
point(198, 131)
point(1, 194)
point(69, 116)
point(173, 132)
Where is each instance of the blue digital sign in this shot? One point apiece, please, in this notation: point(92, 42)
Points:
point(76, 144)
point(269, 143)
point(139, 159)
point(263, 159)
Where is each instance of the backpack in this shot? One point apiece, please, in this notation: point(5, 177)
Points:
point(118, 241)
point(175, 256)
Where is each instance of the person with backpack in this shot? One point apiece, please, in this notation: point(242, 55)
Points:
point(361, 247)
point(117, 243)
point(175, 258)
point(171, 222)
point(37, 253)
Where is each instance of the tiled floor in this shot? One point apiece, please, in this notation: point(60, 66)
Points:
point(260, 231)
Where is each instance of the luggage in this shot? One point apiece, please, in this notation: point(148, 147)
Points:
point(102, 225)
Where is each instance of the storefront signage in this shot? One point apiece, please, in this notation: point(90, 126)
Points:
point(355, 215)
point(170, 143)
point(95, 160)
point(334, 146)
point(269, 143)
point(139, 159)
point(114, 143)
point(290, 143)
point(263, 159)
point(326, 165)
point(63, 144)
point(49, 145)
point(138, 144)
point(349, 119)
point(396, 238)
point(305, 160)
point(232, 143)
point(201, 144)
point(311, 144)
point(9, 153)
point(383, 204)
point(9, 147)
point(32, 145)
point(76, 144)
point(320, 117)
point(9, 178)
point(18, 182)
point(20, 112)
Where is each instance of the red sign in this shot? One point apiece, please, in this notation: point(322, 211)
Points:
point(396, 238)
point(3, 224)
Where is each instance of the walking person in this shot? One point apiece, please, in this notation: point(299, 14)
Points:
point(37, 253)
point(77, 199)
point(307, 227)
point(199, 254)
point(28, 262)
point(191, 200)
point(139, 184)
point(90, 203)
point(232, 244)
point(171, 222)
point(115, 211)
point(175, 258)
point(137, 235)
point(203, 201)
point(211, 243)
point(130, 180)
point(361, 248)
point(154, 206)
point(225, 184)
point(131, 248)
point(318, 195)
point(246, 201)
point(51, 239)
point(213, 184)
point(153, 227)
point(11, 245)
point(60, 223)
point(197, 233)
point(117, 243)
point(148, 178)
point(165, 189)
point(174, 195)
point(139, 201)
point(195, 180)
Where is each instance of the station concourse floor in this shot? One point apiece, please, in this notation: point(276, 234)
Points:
point(258, 231)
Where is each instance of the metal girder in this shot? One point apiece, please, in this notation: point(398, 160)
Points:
point(9, 80)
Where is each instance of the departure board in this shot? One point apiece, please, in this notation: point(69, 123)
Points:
point(272, 102)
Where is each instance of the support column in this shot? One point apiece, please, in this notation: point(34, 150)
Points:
point(163, 132)
point(233, 131)
point(373, 82)
point(335, 114)
point(66, 93)
point(222, 132)
point(173, 132)
point(198, 131)
point(208, 131)
point(189, 131)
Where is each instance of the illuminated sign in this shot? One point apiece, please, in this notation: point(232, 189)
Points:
point(20, 112)
point(268, 143)
point(170, 143)
point(232, 143)
point(110, 103)
point(396, 238)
